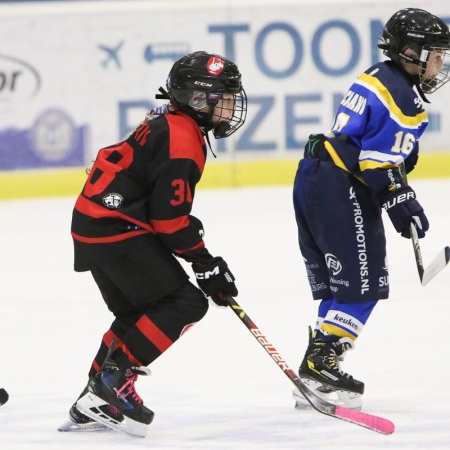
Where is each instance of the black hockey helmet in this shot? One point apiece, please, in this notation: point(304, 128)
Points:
point(198, 81)
point(422, 32)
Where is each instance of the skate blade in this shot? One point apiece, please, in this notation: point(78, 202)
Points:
point(89, 405)
point(330, 394)
point(70, 426)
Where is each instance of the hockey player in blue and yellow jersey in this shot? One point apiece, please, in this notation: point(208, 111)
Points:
point(347, 176)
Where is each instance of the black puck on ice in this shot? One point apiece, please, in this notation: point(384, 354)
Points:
point(3, 396)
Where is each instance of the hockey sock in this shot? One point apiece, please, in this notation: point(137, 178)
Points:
point(324, 307)
point(344, 319)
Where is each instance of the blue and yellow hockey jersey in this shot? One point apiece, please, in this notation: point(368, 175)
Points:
point(377, 127)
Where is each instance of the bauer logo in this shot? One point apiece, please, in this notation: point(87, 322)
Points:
point(333, 263)
point(113, 201)
point(19, 81)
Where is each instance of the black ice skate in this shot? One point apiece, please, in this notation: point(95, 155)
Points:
point(112, 400)
point(321, 372)
point(79, 422)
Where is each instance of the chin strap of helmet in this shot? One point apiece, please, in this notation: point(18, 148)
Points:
point(420, 91)
point(205, 133)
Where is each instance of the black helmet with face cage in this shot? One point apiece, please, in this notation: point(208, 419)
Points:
point(424, 33)
point(198, 81)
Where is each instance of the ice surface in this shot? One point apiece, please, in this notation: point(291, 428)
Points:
point(216, 388)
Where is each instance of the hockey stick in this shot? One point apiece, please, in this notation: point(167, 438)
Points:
point(369, 421)
point(441, 259)
point(438, 263)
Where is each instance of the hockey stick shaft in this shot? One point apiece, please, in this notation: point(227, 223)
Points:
point(263, 341)
point(417, 251)
point(375, 423)
point(413, 230)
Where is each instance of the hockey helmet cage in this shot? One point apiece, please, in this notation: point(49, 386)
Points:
point(424, 33)
point(198, 81)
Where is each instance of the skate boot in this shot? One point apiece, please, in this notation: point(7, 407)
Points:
point(112, 400)
point(321, 372)
point(80, 422)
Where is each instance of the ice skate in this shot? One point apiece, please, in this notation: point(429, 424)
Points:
point(111, 399)
point(321, 373)
point(80, 423)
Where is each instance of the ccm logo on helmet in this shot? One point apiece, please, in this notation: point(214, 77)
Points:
point(203, 84)
point(215, 66)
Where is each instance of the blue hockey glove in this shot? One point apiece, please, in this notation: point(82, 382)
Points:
point(403, 208)
point(215, 280)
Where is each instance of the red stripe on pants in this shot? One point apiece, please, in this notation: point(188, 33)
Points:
point(153, 334)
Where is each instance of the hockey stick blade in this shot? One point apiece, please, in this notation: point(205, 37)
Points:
point(439, 262)
point(374, 423)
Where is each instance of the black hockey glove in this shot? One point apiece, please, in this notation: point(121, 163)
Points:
point(215, 280)
point(403, 208)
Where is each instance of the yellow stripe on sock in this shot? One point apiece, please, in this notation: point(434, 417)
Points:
point(336, 331)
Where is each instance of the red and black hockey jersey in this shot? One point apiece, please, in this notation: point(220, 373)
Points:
point(141, 190)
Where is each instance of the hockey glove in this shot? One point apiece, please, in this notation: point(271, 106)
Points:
point(403, 208)
point(215, 280)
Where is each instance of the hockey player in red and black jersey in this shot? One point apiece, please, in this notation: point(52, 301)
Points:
point(346, 178)
point(132, 222)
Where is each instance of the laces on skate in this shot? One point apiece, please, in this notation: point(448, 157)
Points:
point(129, 389)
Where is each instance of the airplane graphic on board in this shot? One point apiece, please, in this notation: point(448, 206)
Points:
point(112, 54)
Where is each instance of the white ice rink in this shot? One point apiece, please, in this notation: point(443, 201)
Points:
point(216, 388)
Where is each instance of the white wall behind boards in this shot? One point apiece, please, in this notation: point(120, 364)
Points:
point(77, 76)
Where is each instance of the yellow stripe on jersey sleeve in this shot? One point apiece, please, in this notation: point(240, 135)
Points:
point(378, 88)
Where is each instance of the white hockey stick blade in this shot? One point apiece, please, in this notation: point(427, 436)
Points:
point(436, 265)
